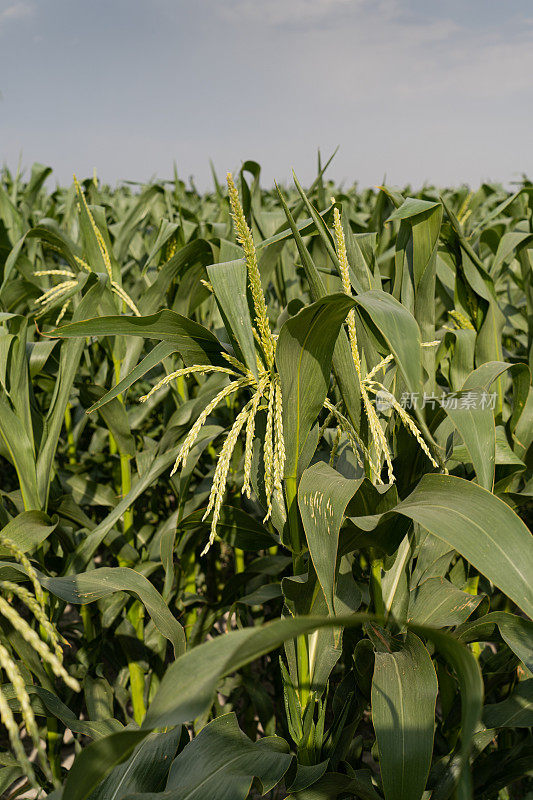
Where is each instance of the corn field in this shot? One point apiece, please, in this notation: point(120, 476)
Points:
point(266, 460)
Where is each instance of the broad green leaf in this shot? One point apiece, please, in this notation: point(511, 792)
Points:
point(195, 343)
point(343, 365)
point(485, 375)
point(514, 712)
point(439, 603)
point(48, 704)
point(335, 784)
point(399, 329)
point(9, 775)
point(21, 453)
point(199, 671)
point(506, 247)
point(303, 357)
point(91, 586)
point(472, 415)
point(221, 763)
point(404, 693)
point(144, 771)
point(395, 582)
point(322, 497)
point(97, 760)
point(415, 267)
point(230, 283)
point(476, 524)
point(102, 582)
point(516, 632)
point(412, 207)
point(91, 217)
point(480, 527)
point(28, 531)
point(69, 359)
point(49, 232)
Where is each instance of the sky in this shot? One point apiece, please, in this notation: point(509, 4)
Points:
point(414, 90)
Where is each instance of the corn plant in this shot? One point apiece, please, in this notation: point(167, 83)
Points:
point(268, 476)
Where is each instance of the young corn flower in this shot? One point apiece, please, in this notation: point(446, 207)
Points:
point(461, 321)
point(368, 384)
point(66, 290)
point(46, 645)
point(265, 389)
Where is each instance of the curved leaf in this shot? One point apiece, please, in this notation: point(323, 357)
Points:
point(303, 357)
point(28, 531)
point(97, 760)
point(222, 762)
point(195, 343)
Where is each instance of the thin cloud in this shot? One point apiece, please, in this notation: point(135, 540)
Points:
point(14, 11)
point(282, 12)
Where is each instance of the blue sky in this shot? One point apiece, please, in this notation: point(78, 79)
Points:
point(414, 89)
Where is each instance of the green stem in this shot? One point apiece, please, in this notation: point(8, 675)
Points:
point(471, 587)
point(302, 644)
point(54, 737)
point(71, 445)
point(189, 568)
point(88, 627)
point(54, 740)
point(136, 612)
point(125, 474)
point(239, 560)
point(291, 491)
point(375, 585)
point(136, 617)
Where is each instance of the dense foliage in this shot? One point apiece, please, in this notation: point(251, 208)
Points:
point(266, 463)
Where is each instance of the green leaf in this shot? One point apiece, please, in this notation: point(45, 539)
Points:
point(115, 418)
point(69, 359)
point(439, 603)
point(411, 207)
point(516, 632)
point(21, 453)
point(97, 760)
point(343, 365)
point(230, 284)
point(45, 703)
point(154, 357)
point(199, 671)
point(474, 420)
point(28, 531)
point(9, 775)
point(102, 582)
point(480, 527)
point(404, 693)
point(221, 763)
point(303, 358)
point(95, 257)
point(476, 524)
point(322, 497)
point(514, 712)
point(399, 329)
point(144, 771)
point(195, 343)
